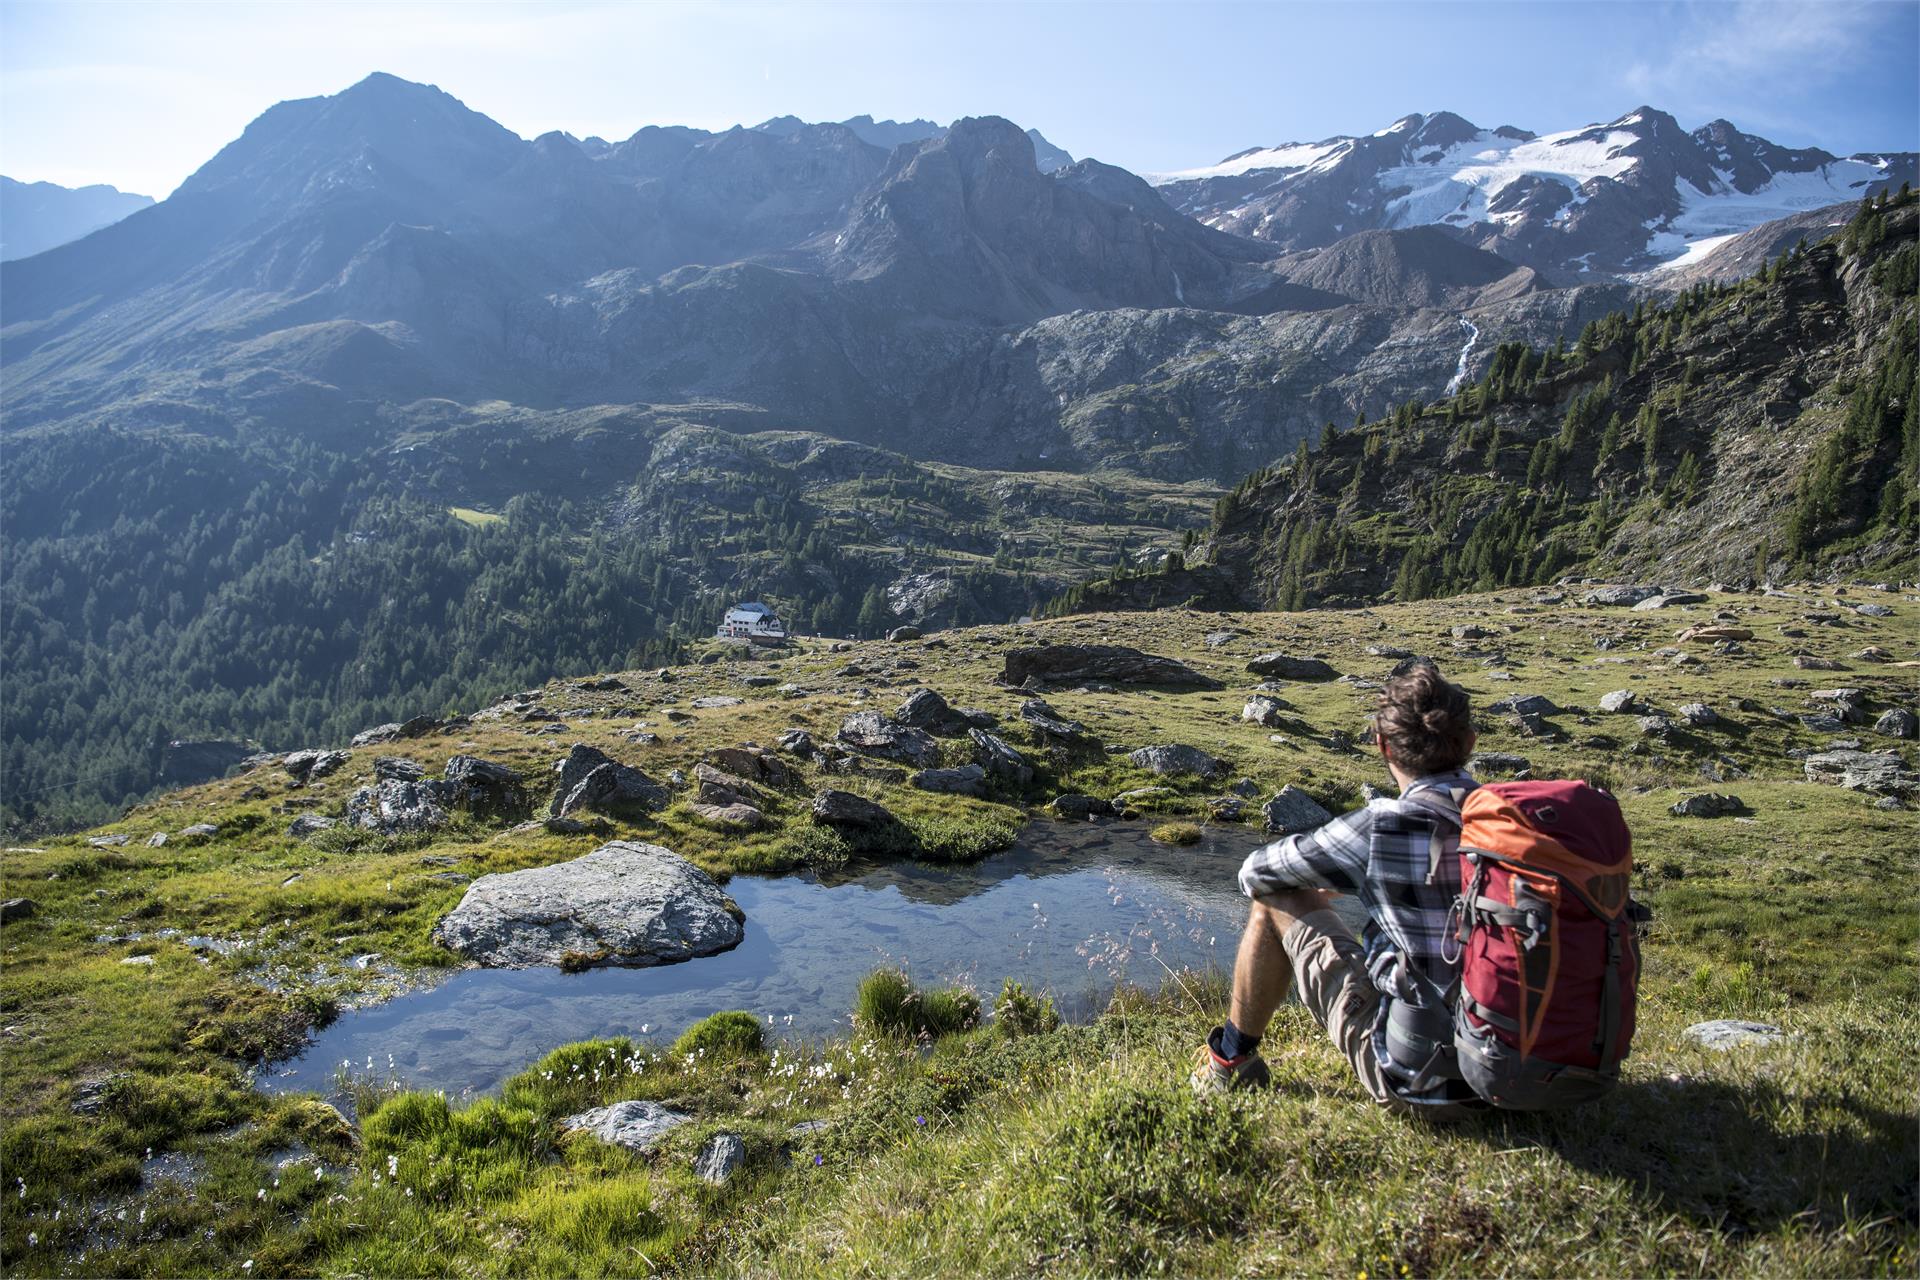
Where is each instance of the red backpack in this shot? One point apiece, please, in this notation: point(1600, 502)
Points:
point(1549, 961)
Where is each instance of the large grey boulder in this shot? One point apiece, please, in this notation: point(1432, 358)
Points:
point(715, 786)
point(393, 806)
point(756, 764)
point(1080, 663)
point(308, 824)
point(1486, 763)
point(636, 1125)
point(1281, 666)
point(1173, 759)
point(623, 904)
point(1075, 807)
point(873, 734)
point(18, 909)
point(1669, 599)
point(1292, 810)
point(1881, 772)
point(588, 778)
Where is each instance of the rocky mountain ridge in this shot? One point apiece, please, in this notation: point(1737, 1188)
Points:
point(37, 216)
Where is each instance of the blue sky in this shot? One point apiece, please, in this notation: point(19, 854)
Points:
point(138, 93)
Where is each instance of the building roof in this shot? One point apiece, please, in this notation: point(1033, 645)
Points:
point(751, 606)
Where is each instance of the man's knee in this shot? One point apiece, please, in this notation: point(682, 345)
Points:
point(1278, 910)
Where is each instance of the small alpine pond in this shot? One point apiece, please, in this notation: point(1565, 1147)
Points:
point(1071, 909)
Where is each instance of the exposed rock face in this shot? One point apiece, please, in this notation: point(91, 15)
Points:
point(1281, 666)
point(636, 1125)
point(1881, 772)
point(391, 807)
point(1292, 810)
point(312, 764)
point(1174, 759)
point(873, 734)
point(308, 824)
point(623, 904)
point(1118, 664)
point(1708, 805)
point(966, 780)
point(848, 811)
point(718, 787)
point(591, 779)
point(999, 759)
point(1669, 598)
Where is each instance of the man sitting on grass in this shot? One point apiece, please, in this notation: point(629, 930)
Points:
point(1400, 858)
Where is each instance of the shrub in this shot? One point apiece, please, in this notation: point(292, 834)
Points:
point(1176, 833)
point(734, 1033)
point(1016, 1013)
point(888, 1004)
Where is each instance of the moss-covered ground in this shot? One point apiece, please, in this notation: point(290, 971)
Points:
point(1075, 1150)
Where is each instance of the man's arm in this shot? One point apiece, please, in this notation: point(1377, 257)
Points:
point(1331, 857)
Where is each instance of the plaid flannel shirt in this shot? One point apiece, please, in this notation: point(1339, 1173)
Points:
point(1387, 856)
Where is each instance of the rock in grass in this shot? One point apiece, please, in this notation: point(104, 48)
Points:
point(873, 734)
point(18, 909)
point(1264, 710)
point(1491, 762)
point(1733, 1033)
point(1051, 727)
point(1074, 807)
point(1619, 597)
point(1000, 759)
point(720, 1158)
point(1897, 723)
point(636, 1125)
point(307, 766)
point(1080, 663)
point(588, 778)
point(623, 904)
point(393, 807)
point(900, 635)
point(1708, 805)
point(308, 825)
point(1524, 704)
point(738, 816)
point(1621, 702)
point(965, 780)
point(1173, 759)
point(846, 810)
point(1698, 714)
point(1281, 666)
point(1292, 810)
point(1880, 772)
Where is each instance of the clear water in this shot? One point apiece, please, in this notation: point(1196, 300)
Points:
point(1072, 909)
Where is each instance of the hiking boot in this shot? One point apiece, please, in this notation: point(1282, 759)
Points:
point(1215, 1074)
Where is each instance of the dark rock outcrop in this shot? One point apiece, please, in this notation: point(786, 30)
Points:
point(1113, 663)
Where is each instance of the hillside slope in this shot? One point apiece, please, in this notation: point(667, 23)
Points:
point(151, 980)
point(1740, 434)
